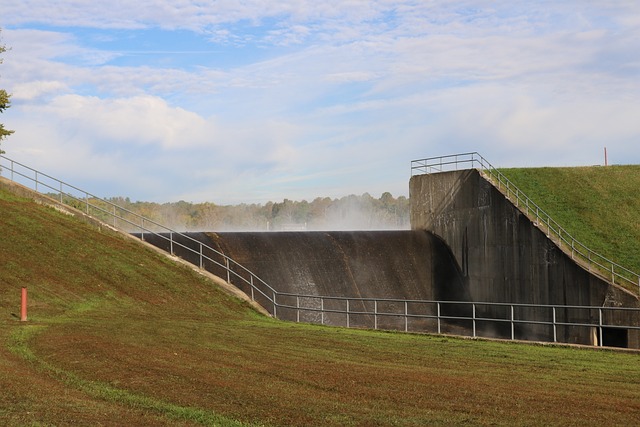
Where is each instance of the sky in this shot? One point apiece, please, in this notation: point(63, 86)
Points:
point(253, 101)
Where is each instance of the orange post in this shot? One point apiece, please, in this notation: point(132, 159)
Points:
point(23, 307)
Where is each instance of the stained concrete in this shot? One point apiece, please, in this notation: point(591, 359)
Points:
point(468, 243)
point(407, 265)
point(504, 257)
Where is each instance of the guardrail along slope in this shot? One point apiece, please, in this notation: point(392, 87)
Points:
point(504, 255)
point(599, 206)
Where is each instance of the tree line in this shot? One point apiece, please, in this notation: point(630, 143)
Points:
point(351, 212)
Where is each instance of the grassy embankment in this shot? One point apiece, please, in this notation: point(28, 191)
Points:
point(119, 335)
point(598, 206)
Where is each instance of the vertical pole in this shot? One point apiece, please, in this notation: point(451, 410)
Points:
point(23, 306)
point(474, 319)
point(606, 161)
point(347, 313)
point(438, 317)
point(275, 313)
point(406, 320)
point(613, 275)
point(600, 326)
point(322, 311)
point(226, 262)
point(555, 332)
point(252, 294)
point(513, 337)
point(297, 308)
point(171, 242)
point(375, 314)
point(201, 263)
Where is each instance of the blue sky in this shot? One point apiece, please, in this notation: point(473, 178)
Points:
point(245, 102)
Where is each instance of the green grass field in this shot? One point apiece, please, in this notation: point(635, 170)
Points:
point(599, 206)
point(119, 335)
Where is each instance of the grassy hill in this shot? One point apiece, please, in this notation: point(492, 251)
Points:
point(120, 335)
point(599, 206)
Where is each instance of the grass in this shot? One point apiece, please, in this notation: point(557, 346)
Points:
point(120, 335)
point(599, 206)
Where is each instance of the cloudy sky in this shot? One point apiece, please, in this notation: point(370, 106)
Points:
point(249, 101)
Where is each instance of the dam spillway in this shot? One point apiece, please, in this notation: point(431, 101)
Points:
point(469, 243)
point(403, 264)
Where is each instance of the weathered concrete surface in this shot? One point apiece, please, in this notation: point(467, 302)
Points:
point(503, 256)
point(411, 265)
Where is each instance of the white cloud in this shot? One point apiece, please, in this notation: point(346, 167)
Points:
point(328, 98)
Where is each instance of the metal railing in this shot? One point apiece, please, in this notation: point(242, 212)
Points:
point(475, 319)
point(409, 315)
point(593, 261)
point(121, 218)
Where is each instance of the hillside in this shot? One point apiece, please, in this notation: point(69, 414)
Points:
point(599, 206)
point(120, 335)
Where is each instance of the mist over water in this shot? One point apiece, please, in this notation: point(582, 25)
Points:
point(350, 213)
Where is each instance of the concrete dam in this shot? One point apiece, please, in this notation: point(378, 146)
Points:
point(395, 265)
point(468, 243)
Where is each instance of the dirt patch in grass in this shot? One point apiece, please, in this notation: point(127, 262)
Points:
point(300, 375)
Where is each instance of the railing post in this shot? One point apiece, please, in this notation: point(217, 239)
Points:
point(438, 306)
point(600, 326)
point(226, 263)
point(321, 311)
point(555, 331)
point(375, 314)
point(275, 312)
point(201, 261)
point(474, 319)
point(347, 312)
point(513, 336)
point(406, 318)
point(613, 275)
point(252, 288)
point(297, 308)
point(572, 248)
point(171, 242)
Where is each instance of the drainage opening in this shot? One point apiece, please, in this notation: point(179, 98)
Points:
point(615, 337)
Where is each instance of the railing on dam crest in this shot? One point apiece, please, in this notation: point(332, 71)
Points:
point(578, 251)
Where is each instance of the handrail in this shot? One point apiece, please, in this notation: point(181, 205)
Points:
point(540, 218)
point(514, 314)
point(89, 204)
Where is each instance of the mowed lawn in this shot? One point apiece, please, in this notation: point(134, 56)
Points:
point(120, 335)
point(598, 206)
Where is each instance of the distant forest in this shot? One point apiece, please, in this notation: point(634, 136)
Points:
point(347, 213)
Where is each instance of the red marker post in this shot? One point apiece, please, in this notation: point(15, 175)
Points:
point(23, 306)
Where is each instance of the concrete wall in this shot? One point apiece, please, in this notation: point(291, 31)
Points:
point(409, 265)
point(503, 256)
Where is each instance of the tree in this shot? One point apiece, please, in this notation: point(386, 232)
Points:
point(5, 103)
